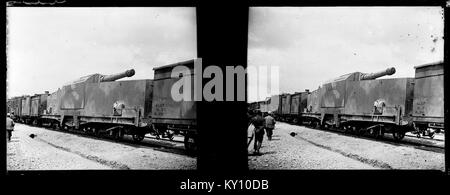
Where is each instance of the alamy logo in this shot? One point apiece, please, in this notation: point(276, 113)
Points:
point(263, 82)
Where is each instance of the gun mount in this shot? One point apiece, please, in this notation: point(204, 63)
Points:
point(113, 77)
point(371, 76)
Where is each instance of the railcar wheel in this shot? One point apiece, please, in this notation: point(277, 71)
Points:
point(348, 129)
point(56, 126)
point(112, 134)
point(354, 130)
point(380, 133)
point(373, 132)
point(190, 143)
point(118, 135)
point(310, 124)
point(360, 131)
point(95, 131)
point(35, 122)
point(171, 136)
point(138, 137)
point(317, 125)
point(398, 135)
point(59, 127)
point(418, 135)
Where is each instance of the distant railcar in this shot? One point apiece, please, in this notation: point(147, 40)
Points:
point(15, 107)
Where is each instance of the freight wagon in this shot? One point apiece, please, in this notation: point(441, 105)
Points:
point(428, 103)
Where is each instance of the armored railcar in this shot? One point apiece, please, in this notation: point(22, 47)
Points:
point(359, 102)
point(99, 104)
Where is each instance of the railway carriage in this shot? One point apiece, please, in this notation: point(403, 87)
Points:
point(428, 103)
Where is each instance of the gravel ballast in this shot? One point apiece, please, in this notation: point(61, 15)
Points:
point(298, 147)
point(33, 148)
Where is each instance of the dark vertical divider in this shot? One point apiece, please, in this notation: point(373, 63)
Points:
point(446, 84)
point(222, 41)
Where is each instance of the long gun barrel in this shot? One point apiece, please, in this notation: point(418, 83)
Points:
point(370, 76)
point(113, 77)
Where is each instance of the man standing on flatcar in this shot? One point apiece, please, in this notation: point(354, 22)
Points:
point(9, 126)
point(269, 126)
point(258, 132)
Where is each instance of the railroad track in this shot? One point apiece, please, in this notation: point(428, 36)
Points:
point(424, 137)
point(419, 143)
point(164, 139)
point(164, 145)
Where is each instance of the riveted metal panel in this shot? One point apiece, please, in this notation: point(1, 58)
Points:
point(53, 103)
point(116, 98)
point(313, 101)
point(394, 93)
point(18, 105)
point(38, 104)
point(275, 104)
point(333, 94)
point(164, 108)
point(26, 106)
point(35, 105)
point(72, 96)
point(295, 103)
point(428, 104)
point(15, 105)
point(286, 104)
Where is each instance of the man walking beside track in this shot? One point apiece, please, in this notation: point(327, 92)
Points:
point(258, 132)
point(9, 126)
point(269, 125)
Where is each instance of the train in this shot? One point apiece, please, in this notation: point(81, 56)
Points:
point(360, 103)
point(103, 106)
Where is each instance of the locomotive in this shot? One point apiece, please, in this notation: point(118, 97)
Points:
point(99, 104)
point(362, 104)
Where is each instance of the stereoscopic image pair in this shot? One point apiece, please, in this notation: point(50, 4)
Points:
point(99, 88)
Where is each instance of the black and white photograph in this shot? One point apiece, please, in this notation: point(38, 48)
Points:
point(346, 88)
point(89, 88)
point(221, 96)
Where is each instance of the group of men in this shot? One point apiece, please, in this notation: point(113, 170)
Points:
point(261, 123)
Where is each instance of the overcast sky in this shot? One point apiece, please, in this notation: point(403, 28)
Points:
point(312, 45)
point(49, 47)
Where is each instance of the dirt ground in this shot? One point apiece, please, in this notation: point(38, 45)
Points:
point(53, 150)
point(298, 147)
